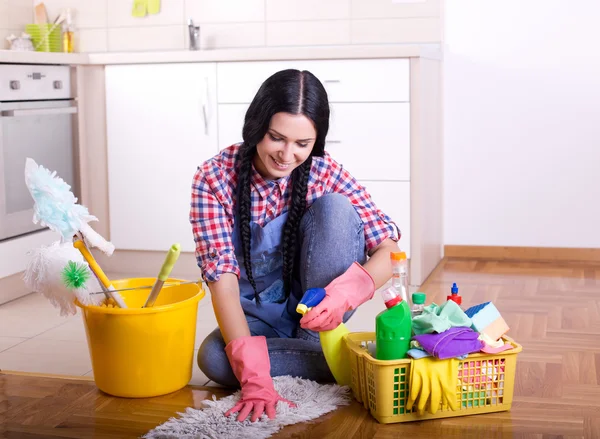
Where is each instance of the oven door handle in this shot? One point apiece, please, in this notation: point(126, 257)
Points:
point(38, 112)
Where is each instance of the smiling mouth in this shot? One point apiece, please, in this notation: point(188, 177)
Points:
point(280, 165)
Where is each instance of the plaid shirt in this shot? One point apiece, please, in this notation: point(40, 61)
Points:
point(213, 206)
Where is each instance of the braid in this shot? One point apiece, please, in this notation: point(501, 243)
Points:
point(290, 231)
point(244, 176)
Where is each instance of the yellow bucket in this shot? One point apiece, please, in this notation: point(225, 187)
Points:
point(143, 352)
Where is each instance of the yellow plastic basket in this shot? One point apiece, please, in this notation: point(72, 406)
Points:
point(383, 387)
point(45, 37)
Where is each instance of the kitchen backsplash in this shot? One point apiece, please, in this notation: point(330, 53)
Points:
point(14, 14)
point(108, 25)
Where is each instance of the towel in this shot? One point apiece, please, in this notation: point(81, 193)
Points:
point(438, 319)
point(312, 399)
point(454, 342)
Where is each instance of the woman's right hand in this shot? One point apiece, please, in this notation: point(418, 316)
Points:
point(249, 359)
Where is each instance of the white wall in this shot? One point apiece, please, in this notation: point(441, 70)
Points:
point(107, 25)
point(14, 15)
point(522, 97)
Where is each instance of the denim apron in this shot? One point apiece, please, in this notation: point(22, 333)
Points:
point(266, 253)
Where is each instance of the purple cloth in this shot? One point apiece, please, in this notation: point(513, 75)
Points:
point(455, 342)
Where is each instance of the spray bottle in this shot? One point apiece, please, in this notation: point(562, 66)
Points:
point(332, 341)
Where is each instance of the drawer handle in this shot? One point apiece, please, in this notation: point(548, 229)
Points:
point(205, 105)
point(330, 81)
point(38, 112)
point(333, 141)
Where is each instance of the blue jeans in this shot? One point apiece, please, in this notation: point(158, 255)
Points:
point(331, 239)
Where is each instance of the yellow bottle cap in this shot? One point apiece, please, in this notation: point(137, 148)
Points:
point(301, 309)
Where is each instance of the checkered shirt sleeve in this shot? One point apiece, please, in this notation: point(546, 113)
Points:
point(378, 226)
point(211, 216)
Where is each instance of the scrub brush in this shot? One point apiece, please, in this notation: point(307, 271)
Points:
point(75, 275)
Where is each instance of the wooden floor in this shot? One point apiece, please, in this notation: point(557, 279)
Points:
point(553, 310)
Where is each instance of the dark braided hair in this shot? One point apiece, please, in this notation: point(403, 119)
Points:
point(288, 91)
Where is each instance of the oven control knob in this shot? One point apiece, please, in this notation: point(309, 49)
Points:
point(58, 85)
point(15, 85)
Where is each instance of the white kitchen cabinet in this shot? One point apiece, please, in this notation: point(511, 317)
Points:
point(371, 140)
point(393, 198)
point(346, 80)
point(164, 120)
point(231, 122)
point(384, 129)
point(360, 136)
point(161, 123)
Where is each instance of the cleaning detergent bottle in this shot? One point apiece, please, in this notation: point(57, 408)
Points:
point(454, 296)
point(418, 300)
point(332, 341)
point(393, 327)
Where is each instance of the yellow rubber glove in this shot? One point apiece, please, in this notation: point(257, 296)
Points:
point(435, 380)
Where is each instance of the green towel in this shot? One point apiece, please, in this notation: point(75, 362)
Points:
point(440, 318)
point(140, 8)
point(153, 6)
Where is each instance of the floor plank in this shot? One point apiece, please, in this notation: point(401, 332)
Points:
point(553, 310)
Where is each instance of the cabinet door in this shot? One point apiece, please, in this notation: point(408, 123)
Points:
point(231, 122)
point(393, 199)
point(161, 124)
point(371, 140)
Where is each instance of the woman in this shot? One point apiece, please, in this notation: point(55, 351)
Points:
point(272, 217)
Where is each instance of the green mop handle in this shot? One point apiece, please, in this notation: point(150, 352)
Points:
point(165, 271)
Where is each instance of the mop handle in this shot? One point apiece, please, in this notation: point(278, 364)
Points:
point(165, 271)
point(80, 245)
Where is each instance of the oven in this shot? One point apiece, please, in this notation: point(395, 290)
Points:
point(37, 119)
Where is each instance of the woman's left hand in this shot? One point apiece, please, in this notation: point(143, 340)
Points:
point(344, 293)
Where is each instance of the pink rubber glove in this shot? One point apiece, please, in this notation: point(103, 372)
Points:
point(249, 359)
point(344, 293)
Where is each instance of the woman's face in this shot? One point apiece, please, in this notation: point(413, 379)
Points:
point(287, 144)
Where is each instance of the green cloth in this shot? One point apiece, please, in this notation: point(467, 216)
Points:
point(438, 319)
point(140, 8)
point(153, 6)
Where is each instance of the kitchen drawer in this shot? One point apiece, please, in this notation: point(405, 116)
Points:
point(371, 140)
point(393, 198)
point(366, 80)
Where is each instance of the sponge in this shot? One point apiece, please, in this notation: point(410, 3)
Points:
point(486, 319)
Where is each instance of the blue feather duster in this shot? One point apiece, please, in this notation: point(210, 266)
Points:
point(55, 205)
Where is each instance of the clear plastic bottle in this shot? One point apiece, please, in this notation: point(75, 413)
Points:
point(400, 275)
point(418, 300)
point(67, 37)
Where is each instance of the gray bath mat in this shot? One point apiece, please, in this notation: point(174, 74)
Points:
point(312, 399)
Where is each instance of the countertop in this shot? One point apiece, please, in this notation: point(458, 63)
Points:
point(430, 51)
